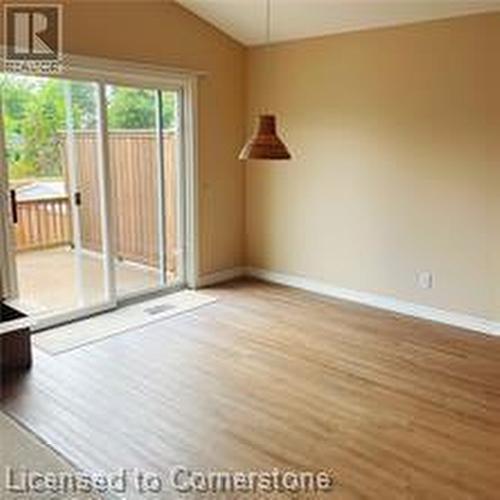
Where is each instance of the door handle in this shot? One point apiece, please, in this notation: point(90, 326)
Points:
point(78, 199)
point(13, 206)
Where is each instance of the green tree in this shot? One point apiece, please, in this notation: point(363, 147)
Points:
point(42, 142)
point(84, 100)
point(135, 109)
point(131, 109)
point(15, 95)
point(35, 119)
point(34, 115)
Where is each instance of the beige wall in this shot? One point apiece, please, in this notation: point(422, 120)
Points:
point(162, 33)
point(395, 137)
point(495, 92)
point(395, 141)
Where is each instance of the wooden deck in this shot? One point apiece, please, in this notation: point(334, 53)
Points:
point(395, 407)
point(48, 279)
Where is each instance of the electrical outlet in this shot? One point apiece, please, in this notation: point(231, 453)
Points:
point(425, 280)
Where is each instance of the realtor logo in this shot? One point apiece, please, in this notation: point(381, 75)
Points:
point(33, 38)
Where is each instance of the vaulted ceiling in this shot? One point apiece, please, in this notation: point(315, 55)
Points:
point(245, 20)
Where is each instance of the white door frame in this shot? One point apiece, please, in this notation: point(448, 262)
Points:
point(160, 189)
point(102, 72)
point(8, 276)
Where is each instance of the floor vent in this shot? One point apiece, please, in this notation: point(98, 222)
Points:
point(159, 309)
point(135, 316)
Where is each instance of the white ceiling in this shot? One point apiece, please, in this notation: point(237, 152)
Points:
point(245, 20)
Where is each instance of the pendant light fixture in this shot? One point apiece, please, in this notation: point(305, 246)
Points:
point(265, 144)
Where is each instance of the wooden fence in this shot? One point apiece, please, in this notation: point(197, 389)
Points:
point(134, 198)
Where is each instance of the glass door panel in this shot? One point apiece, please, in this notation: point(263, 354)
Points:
point(133, 159)
point(173, 186)
point(54, 170)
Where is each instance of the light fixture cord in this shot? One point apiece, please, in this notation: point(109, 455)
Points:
point(268, 42)
point(268, 27)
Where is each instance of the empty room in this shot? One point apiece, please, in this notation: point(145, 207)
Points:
point(249, 249)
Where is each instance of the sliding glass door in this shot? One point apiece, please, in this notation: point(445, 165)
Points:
point(96, 192)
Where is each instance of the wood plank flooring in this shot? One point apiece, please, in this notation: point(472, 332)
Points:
point(270, 377)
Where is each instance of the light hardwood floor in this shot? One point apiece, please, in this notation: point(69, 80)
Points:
point(270, 376)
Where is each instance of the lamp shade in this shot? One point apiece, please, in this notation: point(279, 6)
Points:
point(265, 145)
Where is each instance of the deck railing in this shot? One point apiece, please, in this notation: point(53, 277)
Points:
point(43, 223)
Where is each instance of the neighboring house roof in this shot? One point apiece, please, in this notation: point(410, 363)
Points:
point(41, 189)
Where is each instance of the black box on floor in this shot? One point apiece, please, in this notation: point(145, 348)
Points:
point(15, 340)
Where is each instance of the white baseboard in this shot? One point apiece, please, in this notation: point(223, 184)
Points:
point(220, 276)
point(381, 302)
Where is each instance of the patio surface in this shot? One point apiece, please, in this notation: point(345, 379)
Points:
point(48, 279)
